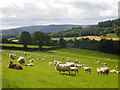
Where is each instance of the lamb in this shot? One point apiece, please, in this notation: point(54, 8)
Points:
point(21, 60)
point(103, 70)
point(75, 69)
point(12, 56)
point(15, 66)
point(50, 63)
point(87, 69)
point(32, 60)
point(113, 71)
point(63, 68)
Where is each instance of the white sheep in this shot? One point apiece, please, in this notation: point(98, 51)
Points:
point(104, 64)
point(50, 63)
point(21, 60)
point(116, 66)
point(103, 70)
point(87, 69)
point(30, 64)
point(77, 65)
point(63, 68)
point(75, 69)
point(32, 60)
point(113, 71)
point(71, 64)
point(98, 62)
point(12, 56)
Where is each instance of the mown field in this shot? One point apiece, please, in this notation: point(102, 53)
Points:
point(41, 75)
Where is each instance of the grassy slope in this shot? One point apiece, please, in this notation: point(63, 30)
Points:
point(41, 75)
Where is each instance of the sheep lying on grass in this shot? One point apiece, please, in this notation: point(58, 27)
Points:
point(113, 71)
point(87, 69)
point(12, 56)
point(21, 60)
point(103, 70)
point(15, 66)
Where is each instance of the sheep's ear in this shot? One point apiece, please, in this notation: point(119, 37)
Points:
point(11, 62)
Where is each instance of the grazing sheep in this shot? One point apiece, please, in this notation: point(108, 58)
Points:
point(76, 61)
point(15, 66)
point(104, 64)
point(68, 60)
point(103, 70)
point(21, 60)
point(32, 60)
point(50, 63)
point(113, 71)
point(63, 68)
point(12, 56)
point(76, 65)
point(75, 69)
point(30, 64)
point(98, 62)
point(87, 69)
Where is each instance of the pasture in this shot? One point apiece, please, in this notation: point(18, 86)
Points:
point(41, 75)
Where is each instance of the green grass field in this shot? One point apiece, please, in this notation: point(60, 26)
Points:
point(66, 38)
point(41, 75)
point(112, 35)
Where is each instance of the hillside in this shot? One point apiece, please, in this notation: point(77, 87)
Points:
point(102, 28)
point(44, 28)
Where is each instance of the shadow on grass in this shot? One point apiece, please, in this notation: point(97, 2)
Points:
point(67, 74)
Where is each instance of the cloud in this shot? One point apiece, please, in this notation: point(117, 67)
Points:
point(35, 12)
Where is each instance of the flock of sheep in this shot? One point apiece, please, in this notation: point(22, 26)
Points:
point(68, 66)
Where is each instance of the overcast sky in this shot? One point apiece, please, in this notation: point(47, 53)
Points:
point(16, 13)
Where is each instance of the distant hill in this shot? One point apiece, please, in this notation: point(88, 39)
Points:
point(44, 28)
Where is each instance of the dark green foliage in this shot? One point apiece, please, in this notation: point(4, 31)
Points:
point(62, 42)
point(40, 38)
point(25, 38)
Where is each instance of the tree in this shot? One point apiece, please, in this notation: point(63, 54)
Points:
point(41, 38)
point(62, 42)
point(25, 38)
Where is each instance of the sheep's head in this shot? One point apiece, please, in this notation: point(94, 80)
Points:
point(10, 64)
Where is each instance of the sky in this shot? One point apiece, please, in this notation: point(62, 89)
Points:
point(18, 13)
